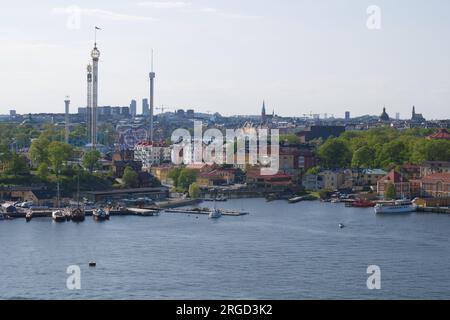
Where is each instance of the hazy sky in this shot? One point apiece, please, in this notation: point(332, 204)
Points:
point(229, 55)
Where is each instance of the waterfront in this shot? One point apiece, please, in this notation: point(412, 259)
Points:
point(278, 251)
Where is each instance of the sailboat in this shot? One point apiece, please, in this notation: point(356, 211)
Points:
point(77, 214)
point(59, 215)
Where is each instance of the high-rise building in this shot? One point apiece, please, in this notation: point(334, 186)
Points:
point(347, 115)
point(152, 76)
point(133, 108)
point(145, 107)
point(67, 124)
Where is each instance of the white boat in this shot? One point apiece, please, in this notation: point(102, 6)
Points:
point(400, 206)
point(215, 214)
point(59, 216)
point(100, 214)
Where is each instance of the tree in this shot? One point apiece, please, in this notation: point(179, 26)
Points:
point(290, 139)
point(363, 157)
point(194, 191)
point(42, 171)
point(130, 178)
point(389, 192)
point(39, 150)
point(334, 153)
point(58, 154)
point(17, 165)
point(186, 177)
point(174, 174)
point(90, 160)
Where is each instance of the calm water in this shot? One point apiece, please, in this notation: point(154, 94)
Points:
point(279, 251)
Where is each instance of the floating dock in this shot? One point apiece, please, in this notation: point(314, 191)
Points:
point(206, 211)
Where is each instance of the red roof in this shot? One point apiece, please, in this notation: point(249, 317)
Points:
point(437, 177)
point(393, 177)
point(441, 134)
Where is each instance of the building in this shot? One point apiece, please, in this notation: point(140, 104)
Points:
point(431, 167)
point(384, 116)
point(410, 171)
point(436, 185)
point(312, 182)
point(347, 115)
point(320, 132)
point(401, 184)
point(145, 107)
point(332, 180)
point(133, 108)
point(217, 177)
point(417, 117)
point(155, 194)
point(276, 182)
point(162, 173)
point(442, 134)
point(263, 113)
point(152, 153)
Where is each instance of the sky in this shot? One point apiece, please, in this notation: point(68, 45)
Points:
point(227, 56)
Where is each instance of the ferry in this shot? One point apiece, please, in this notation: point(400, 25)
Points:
point(399, 206)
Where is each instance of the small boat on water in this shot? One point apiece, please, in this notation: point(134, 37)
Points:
point(362, 203)
point(59, 216)
point(100, 214)
point(77, 214)
point(29, 215)
point(397, 207)
point(215, 214)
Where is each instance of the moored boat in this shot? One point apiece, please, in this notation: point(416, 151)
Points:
point(397, 207)
point(29, 215)
point(59, 216)
point(362, 203)
point(77, 214)
point(100, 214)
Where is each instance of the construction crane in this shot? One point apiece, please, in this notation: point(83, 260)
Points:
point(162, 108)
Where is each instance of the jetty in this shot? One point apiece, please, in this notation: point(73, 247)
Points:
point(206, 211)
point(443, 210)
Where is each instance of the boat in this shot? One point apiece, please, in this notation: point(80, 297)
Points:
point(362, 203)
point(77, 214)
point(29, 215)
point(399, 206)
point(59, 216)
point(100, 214)
point(215, 214)
point(221, 198)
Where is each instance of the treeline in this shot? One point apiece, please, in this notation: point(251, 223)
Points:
point(384, 148)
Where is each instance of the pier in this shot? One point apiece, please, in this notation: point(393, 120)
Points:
point(205, 211)
point(442, 210)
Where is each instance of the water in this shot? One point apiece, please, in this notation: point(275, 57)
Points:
point(279, 251)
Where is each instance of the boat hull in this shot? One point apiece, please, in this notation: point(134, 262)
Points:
point(395, 209)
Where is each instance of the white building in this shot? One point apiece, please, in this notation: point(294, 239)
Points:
point(152, 154)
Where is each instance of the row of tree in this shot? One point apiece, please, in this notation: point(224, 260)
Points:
point(382, 148)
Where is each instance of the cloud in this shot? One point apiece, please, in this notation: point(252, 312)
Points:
point(165, 4)
point(101, 14)
point(229, 15)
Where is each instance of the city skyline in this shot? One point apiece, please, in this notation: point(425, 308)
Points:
point(227, 57)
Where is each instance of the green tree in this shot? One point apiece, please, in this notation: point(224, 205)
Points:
point(58, 154)
point(39, 151)
point(185, 179)
point(363, 157)
point(290, 139)
point(17, 165)
point(42, 171)
point(174, 174)
point(389, 192)
point(334, 153)
point(91, 159)
point(130, 178)
point(194, 191)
